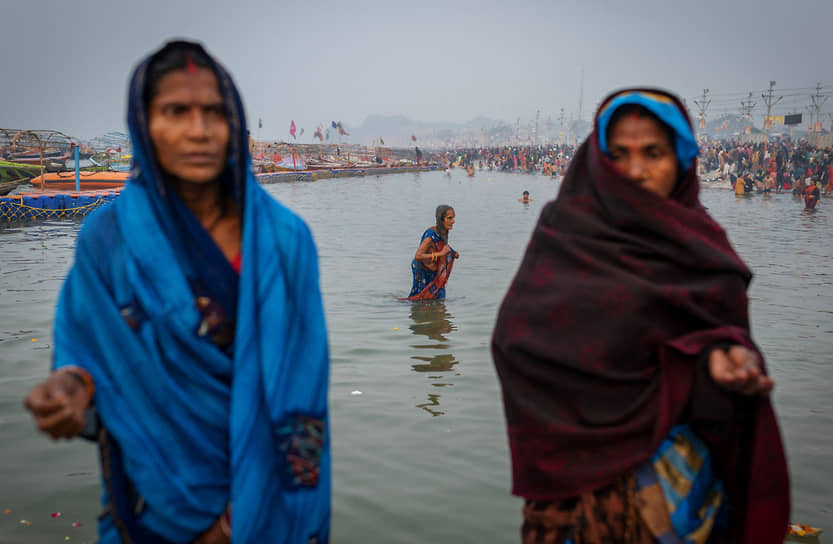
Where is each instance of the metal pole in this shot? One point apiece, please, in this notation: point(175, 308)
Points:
point(77, 171)
point(816, 119)
point(767, 120)
point(703, 105)
point(42, 167)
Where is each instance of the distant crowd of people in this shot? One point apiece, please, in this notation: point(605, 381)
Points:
point(549, 159)
point(777, 167)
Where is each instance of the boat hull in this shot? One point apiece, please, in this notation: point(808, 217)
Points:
point(88, 180)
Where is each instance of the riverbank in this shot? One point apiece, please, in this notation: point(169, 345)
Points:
point(35, 204)
point(313, 175)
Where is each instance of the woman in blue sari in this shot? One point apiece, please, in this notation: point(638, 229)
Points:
point(190, 339)
point(434, 258)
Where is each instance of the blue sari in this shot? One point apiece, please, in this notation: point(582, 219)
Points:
point(191, 426)
point(427, 283)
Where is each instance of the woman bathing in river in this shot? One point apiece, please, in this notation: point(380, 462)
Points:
point(434, 258)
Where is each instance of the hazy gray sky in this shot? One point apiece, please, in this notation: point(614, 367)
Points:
point(65, 64)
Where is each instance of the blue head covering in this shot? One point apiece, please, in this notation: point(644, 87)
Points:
point(197, 426)
point(666, 109)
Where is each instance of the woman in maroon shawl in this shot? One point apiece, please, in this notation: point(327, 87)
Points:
point(626, 321)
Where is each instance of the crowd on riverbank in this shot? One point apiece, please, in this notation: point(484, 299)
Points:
point(549, 160)
point(777, 166)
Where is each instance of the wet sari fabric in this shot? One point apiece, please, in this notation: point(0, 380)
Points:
point(428, 284)
point(600, 343)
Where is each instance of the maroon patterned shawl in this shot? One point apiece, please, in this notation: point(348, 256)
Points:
point(600, 340)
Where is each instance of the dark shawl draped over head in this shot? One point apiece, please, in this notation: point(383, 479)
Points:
point(600, 343)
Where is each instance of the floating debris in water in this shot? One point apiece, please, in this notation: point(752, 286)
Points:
point(34, 339)
point(76, 524)
point(25, 522)
point(7, 511)
point(799, 529)
point(396, 328)
point(356, 392)
point(55, 514)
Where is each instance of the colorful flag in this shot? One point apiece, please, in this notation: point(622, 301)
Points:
point(302, 132)
point(259, 122)
point(413, 137)
point(292, 129)
point(381, 140)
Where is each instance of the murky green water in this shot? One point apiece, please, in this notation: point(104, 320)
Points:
point(420, 455)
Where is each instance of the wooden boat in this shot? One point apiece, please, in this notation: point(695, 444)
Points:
point(12, 171)
point(7, 187)
point(88, 180)
point(35, 157)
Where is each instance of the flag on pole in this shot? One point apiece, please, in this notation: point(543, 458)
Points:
point(259, 122)
point(292, 129)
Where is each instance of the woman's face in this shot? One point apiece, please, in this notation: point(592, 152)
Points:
point(188, 125)
point(641, 151)
point(448, 220)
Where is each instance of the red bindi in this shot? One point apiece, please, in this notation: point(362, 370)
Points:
point(190, 67)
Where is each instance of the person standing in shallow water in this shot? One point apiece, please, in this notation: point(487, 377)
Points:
point(434, 258)
point(624, 341)
point(190, 339)
point(811, 196)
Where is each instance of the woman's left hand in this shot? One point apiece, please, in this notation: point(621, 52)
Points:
point(739, 370)
point(214, 535)
point(456, 254)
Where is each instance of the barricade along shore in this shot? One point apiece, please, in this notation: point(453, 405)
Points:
point(36, 204)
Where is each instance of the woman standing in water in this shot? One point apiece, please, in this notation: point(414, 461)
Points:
point(434, 258)
point(636, 401)
point(190, 338)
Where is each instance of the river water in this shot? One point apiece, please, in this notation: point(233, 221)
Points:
point(420, 455)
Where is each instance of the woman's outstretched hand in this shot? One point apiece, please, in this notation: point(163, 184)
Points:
point(58, 404)
point(214, 535)
point(739, 370)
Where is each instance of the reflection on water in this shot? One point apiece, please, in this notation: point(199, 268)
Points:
point(430, 318)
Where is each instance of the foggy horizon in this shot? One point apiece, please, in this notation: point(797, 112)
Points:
point(436, 62)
